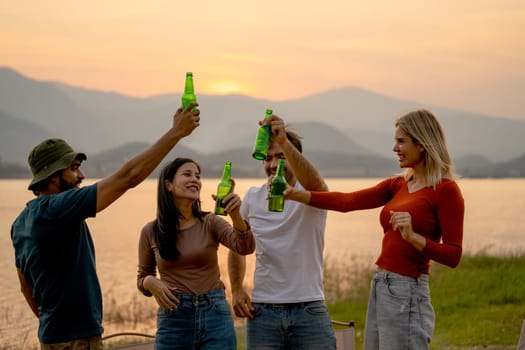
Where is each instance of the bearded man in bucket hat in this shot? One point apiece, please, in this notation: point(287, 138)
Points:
point(54, 252)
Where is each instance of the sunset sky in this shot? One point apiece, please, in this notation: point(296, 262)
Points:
point(467, 54)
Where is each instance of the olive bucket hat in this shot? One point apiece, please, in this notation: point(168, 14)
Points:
point(49, 157)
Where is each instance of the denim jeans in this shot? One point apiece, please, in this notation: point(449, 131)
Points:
point(400, 315)
point(199, 322)
point(290, 326)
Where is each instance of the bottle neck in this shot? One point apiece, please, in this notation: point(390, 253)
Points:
point(280, 168)
point(188, 87)
point(226, 173)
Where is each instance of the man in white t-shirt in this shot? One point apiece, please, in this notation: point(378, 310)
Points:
point(287, 308)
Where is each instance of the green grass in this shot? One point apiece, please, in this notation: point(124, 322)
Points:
point(481, 303)
point(486, 301)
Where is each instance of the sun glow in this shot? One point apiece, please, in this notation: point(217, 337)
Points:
point(473, 55)
point(225, 87)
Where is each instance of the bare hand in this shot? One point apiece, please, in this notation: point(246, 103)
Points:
point(278, 129)
point(402, 221)
point(290, 192)
point(162, 293)
point(294, 194)
point(187, 120)
point(232, 202)
point(242, 305)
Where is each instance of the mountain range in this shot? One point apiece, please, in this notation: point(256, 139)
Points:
point(346, 132)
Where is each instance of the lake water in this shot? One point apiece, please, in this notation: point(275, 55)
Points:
point(494, 224)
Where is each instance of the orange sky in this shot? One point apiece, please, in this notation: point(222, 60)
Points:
point(467, 54)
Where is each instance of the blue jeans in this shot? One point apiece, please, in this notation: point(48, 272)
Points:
point(400, 315)
point(290, 326)
point(199, 322)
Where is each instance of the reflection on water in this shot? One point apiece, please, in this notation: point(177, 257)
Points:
point(494, 223)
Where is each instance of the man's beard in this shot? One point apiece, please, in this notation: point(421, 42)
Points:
point(64, 185)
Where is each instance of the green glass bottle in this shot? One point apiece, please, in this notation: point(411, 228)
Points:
point(277, 187)
point(189, 92)
point(262, 142)
point(223, 189)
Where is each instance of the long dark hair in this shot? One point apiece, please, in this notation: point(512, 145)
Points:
point(167, 224)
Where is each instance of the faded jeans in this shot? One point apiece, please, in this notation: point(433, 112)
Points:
point(199, 322)
point(400, 315)
point(290, 326)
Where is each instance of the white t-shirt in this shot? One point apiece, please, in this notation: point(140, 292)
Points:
point(289, 249)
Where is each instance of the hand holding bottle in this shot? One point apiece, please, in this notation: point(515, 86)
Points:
point(298, 195)
point(185, 121)
point(224, 188)
point(226, 201)
point(231, 203)
point(278, 129)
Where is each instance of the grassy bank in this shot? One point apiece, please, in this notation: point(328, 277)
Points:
point(480, 304)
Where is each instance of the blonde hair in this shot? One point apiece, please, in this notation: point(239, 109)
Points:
point(426, 131)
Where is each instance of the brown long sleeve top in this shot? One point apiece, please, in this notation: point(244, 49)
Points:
point(196, 271)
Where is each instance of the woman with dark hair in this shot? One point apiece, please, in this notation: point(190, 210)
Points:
point(182, 243)
point(422, 220)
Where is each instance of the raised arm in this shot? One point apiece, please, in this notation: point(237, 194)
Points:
point(134, 171)
point(305, 172)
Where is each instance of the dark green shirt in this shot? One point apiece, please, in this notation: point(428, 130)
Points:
point(55, 252)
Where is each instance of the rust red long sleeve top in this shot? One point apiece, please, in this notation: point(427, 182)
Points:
point(437, 214)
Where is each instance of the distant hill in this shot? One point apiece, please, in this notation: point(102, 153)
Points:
point(17, 137)
point(330, 164)
point(512, 168)
point(346, 131)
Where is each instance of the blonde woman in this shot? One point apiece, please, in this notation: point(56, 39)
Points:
point(422, 220)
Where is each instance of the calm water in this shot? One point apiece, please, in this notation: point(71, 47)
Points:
point(494, 223)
